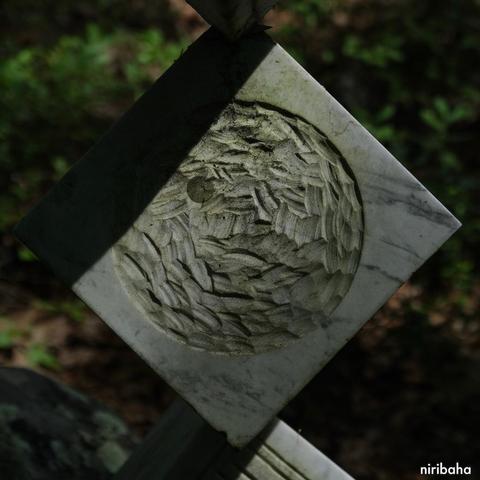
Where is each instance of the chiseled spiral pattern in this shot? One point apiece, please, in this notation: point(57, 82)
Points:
point(252, 242)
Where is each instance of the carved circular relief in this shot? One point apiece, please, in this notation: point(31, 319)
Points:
point(253, 241)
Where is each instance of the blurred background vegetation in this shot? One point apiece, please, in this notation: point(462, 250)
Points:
point(406, 391)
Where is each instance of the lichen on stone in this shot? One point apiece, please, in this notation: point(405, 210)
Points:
point(49, 431)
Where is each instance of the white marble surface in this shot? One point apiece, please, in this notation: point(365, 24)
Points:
point(232, 17)
point(73, 229)
point(279, 453)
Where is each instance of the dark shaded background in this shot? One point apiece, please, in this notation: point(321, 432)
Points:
point(405, 392)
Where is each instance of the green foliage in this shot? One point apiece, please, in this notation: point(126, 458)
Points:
point(9, 335)
point(40, 356)
point(311, 11)
point(57, 99)
point(406, 70)
point(26, 255)
point(74, 308)
point(377, 55)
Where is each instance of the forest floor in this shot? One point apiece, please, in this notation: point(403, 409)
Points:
point(408, 382)
point(397, 384)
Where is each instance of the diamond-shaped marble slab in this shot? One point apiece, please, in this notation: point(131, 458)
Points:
point(232, 17)
point(237, 227)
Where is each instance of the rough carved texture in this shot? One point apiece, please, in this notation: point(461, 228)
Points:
point(253, 241)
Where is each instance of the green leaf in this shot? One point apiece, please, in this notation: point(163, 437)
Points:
point(8, 338)
point(432, 120)
point(74, 309)
point(26, 255)
point(60, 167)
point(39, 356)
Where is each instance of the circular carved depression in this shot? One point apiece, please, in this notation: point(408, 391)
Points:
point(254, 240)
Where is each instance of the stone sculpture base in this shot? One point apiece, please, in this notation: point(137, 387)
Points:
point(49, 431)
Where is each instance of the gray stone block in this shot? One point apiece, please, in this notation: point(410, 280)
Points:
point(49, 431)
point(237, 227)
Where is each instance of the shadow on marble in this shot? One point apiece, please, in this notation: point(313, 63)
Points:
point(149, 143)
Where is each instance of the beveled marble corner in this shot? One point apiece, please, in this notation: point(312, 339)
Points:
point(78, 229)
